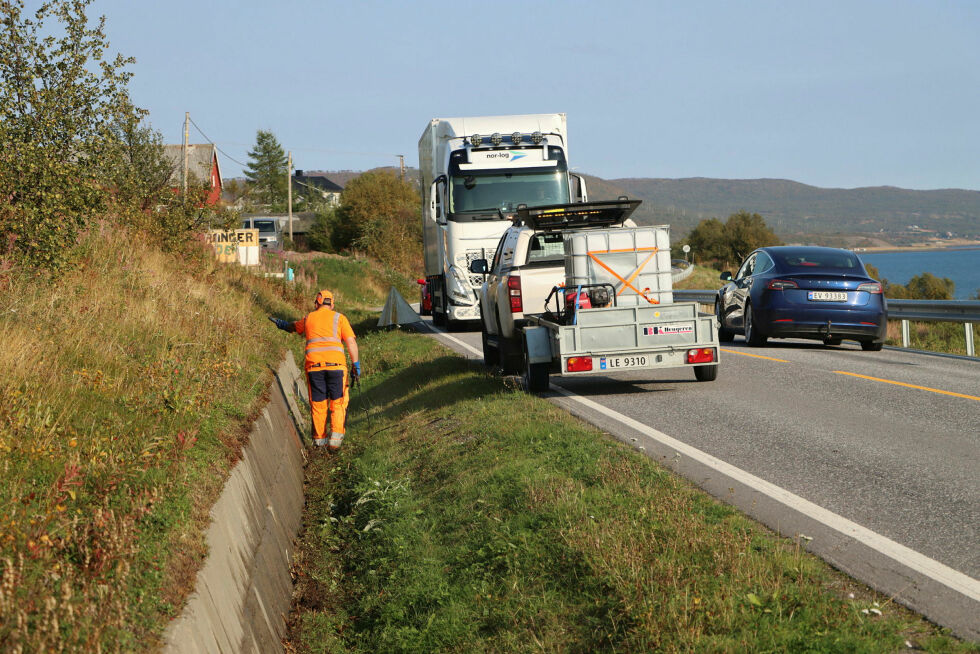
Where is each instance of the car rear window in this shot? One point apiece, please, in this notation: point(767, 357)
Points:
point(818, 260)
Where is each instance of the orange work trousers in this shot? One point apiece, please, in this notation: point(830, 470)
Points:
point(329, 394)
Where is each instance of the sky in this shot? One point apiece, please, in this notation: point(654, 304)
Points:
point(832, 94)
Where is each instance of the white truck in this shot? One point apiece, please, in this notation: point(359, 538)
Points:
point(578, 289)
point(475, 172)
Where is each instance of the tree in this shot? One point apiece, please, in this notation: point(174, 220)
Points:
point(137, 167)
point(59, 94)
point(267, 169)
point(745, 232)
point(929, 287)
point(731, 242)
point(379, 213)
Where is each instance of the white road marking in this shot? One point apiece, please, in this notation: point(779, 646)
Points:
point(938, 572)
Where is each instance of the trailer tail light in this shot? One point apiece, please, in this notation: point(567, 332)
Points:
point(514, 291)
point(870, 287)
point(579, 364)
point(781, 284)
point(701, 355)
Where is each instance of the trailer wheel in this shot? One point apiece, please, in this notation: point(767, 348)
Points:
point(706, 373)
point(536, 376)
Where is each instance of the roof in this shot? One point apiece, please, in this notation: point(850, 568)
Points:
point(318, 181)
point(199, 158)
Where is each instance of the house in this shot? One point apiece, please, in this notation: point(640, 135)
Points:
point(319, 183)
point(202, 168)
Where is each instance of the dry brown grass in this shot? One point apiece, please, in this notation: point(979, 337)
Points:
point(126, 388)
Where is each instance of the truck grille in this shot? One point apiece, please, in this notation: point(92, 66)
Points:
point(476, 281)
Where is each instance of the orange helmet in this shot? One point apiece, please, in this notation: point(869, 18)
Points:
point(323, 297)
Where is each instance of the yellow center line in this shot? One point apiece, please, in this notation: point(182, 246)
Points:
point(921, 388)
point(756, 356)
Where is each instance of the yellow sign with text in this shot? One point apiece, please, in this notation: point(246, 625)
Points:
point(235, 246)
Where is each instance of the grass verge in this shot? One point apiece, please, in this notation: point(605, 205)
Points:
point(463, 515)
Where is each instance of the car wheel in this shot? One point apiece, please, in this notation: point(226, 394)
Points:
point(752, 335)
point(832, 341)
point(706, 373)
point(871, 346)
point(725, 335)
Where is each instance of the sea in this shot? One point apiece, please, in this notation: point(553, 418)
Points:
point(962, 265)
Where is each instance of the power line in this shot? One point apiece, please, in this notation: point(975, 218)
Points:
point(216, 145)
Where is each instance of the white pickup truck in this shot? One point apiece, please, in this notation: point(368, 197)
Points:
point(624, 317)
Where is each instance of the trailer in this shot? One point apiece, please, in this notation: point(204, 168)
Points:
point(611, 311)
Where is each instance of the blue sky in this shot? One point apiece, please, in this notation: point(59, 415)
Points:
point(833, 94)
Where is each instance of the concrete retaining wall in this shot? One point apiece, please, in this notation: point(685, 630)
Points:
point(243, 593)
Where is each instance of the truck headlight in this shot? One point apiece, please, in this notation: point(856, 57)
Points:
point(459, 287)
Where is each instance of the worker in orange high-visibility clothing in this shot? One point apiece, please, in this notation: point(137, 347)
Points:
point(327, 331)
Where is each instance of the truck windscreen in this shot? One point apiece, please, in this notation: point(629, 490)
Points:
point(492, 190)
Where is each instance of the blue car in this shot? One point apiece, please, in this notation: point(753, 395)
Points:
point(802, 292)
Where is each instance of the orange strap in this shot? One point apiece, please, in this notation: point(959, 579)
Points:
point(627, 282)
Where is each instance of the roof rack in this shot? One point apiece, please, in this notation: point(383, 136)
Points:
point(574, 216)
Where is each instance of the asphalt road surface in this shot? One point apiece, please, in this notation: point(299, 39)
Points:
point(871, 458)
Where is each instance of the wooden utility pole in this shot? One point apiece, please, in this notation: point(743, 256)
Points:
point(187, 118)
point(289, 193)
point(401, 159)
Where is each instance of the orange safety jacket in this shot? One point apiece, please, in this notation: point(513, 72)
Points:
point(325, 332)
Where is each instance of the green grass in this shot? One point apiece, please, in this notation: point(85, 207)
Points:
point(463, 515)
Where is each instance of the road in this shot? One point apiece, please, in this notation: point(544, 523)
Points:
point(872, 457)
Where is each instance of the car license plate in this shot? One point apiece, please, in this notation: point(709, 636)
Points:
point(635, 361)
point(826, 296)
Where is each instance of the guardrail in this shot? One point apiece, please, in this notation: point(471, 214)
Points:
point(964, 311)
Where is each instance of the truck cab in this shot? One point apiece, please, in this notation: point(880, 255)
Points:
point(475, 173)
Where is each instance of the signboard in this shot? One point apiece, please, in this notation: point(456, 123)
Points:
point(235, 246)
point(514, 158)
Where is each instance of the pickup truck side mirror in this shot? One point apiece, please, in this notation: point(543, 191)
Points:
point(479, 266)
point(726, 276)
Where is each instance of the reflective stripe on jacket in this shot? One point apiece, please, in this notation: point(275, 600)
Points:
point(325, 331)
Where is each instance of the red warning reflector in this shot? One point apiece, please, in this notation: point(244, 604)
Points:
point(701, 355)
point(579, 364)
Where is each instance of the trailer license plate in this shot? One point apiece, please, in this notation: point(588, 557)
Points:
point(608, 363)
point(826, 296)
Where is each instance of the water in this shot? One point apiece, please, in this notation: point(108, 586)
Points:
point(962, 265)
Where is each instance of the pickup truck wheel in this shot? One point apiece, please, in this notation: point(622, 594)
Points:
point(491, 356)
point(706, 373)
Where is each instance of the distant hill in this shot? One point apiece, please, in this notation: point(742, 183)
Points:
point(794, 208)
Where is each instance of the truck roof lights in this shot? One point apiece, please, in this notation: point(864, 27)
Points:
point(476, 140)
point(536, 138)
point(516, 138)
point(496, 138)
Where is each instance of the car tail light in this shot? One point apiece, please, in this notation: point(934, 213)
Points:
point(781, 284)
point(870, 287)
point(514, 290)
point(701, 355)
point(579, 364)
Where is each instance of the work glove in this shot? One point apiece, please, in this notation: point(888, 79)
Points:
point(355, 371)
point(280, 323)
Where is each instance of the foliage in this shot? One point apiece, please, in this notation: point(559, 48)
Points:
point(267, 170)
point(320, 234)
point(379, 214)
point(731, 242)
point(59, 96)
point(138, 171)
